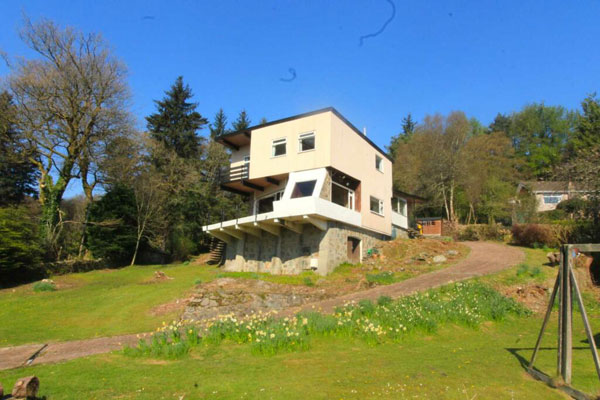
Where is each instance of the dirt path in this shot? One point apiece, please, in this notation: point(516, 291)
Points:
point(485, 258)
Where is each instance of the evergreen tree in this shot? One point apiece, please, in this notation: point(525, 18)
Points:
point(408, 128)
point(500, 124)
point(17, 174)
point(176, 122)
point(219, 126)
point(408, 125)
point(242, 121)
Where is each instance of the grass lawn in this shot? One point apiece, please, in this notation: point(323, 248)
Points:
point(120, 301)
point(454, 363)
point(93, 304)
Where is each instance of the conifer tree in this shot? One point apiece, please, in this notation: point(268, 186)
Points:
point(176, 122)
point(242, 121)
point(219, 126)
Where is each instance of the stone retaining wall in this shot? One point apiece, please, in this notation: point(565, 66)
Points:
point(292, 253)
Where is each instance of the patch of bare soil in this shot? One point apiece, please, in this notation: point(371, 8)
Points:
point(172, 306)
point(533, 296)
point(247, 296)
point(158, 277)
point(414, 256)
point(202, 259)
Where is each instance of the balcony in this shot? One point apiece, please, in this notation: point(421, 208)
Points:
point(234, 174)
point(236, 179)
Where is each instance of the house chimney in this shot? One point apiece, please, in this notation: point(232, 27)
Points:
point(365, 130)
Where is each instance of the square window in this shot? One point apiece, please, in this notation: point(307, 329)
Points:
point(306, 142)
point(378, 163)
point(279, 147)
point(303, 189)
point(376, 205)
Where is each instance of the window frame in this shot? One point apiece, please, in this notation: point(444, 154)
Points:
point(557, 197)
point(396, 201)
point(351, 196)
point(278, 195)
point(276, 142)
point(296, 185)
point(381, 206)
point(378, 163)
point(304, 136)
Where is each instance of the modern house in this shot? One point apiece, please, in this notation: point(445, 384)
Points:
point(320, 194)
point(549, 193)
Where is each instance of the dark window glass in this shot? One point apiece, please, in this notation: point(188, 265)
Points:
point(303, 189)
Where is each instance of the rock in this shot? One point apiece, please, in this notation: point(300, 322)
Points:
point(553, 258)
point(452, 252)
point(439, 259)
point(26, 387)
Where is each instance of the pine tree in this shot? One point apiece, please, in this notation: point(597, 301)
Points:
point(242, 121)
point(408, 128)
point(176, 122)
point(17, 174)
point(219, 126)
point(408, 125)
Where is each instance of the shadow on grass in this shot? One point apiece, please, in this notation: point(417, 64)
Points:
point(525, 362)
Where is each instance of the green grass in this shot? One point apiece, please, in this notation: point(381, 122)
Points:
point(454, 363)
point(93, 304)
point(533, 269)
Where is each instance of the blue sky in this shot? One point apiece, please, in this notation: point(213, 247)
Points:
point(481, 57)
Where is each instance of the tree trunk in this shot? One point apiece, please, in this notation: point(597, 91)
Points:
point(137, 246)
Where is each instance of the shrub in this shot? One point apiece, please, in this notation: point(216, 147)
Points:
point(382, 278)
point(483, 232)
point(308, 282)
point(111, 235)
point(44, 286)
point(20, 249)
point(525, 270)
point(540, 235)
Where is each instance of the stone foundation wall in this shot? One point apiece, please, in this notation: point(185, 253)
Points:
point(292, 253)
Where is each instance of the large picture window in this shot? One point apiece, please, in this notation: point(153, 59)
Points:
point(342, 196)
point(265, 204)
point(303, 189)
point(279, 147)
point(306, 142)
point(376, 205)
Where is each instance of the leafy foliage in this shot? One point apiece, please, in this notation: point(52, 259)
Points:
point(20, 249)
point(111, 233)
point(17, 173)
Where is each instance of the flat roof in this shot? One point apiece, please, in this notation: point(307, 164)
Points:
point(246, 131)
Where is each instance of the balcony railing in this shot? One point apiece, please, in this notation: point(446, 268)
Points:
point(233, 174)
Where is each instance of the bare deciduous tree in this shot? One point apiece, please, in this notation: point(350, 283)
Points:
point(70, 99)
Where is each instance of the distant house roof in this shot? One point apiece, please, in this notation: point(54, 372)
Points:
point(551, 186)
point(242, 137)
point(400, 193)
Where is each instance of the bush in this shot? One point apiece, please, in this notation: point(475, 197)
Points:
point(483, 232)
point(308, 281)
point(539, 235)
point(44, 286)
point(112, 232)
point(20, 249)
point(525, 270)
